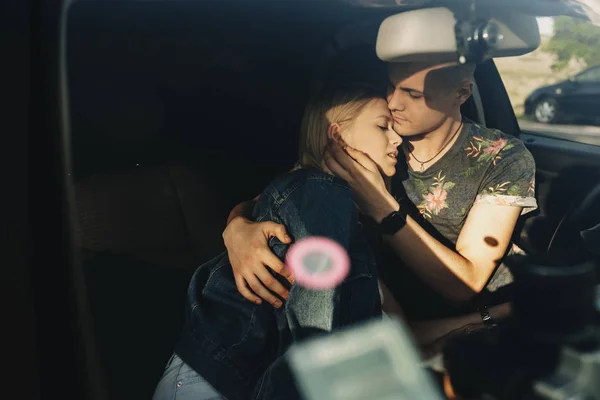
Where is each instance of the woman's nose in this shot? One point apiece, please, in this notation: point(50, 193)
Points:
point(395, 139)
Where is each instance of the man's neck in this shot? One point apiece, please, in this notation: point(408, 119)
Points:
point(426, 146)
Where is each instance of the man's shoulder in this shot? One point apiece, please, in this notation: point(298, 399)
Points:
point(495, 142)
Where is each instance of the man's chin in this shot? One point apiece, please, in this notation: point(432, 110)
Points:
point(407, 131)
point(400, 127)
point(403, 128)
point(410, 135)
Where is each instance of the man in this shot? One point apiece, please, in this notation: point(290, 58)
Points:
point(451, 220)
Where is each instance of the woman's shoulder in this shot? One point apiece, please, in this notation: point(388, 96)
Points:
point(304, 190)
point(299, 177)
point(299, 185)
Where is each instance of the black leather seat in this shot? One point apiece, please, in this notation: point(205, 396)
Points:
point(164, 215)
point(149, 210)
point(142, 232)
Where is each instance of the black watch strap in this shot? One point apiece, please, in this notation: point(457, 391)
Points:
point(391, 224)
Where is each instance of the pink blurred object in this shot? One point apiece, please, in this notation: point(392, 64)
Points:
point(318, 262)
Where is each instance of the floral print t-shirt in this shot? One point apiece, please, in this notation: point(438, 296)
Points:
point(483, 166)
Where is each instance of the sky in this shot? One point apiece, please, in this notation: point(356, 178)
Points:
point(546, 25)
point(593, 7)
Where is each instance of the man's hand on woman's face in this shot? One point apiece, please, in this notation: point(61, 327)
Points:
point(249, 254)
point(363, 176)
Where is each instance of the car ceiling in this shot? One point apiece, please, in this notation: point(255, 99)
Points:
point(577, 8)
point(129, 60)
point(154, 81)
point(320, 10)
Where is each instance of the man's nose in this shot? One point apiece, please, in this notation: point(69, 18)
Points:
point(395, 101)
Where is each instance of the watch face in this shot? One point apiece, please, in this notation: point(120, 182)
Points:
point(393, 223)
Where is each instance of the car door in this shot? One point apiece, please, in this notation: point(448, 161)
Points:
point(579, 95)
point(567, 156)
point(568, 95)
point(588, 96)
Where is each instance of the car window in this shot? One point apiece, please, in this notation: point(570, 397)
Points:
point(551, 88)
point(592, 75)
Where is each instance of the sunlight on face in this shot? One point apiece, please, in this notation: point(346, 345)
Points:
point(421, 97)
point(372, 133)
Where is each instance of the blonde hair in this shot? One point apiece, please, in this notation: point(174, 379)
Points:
point(340, 105)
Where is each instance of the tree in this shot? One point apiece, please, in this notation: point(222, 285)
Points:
point(574, 39)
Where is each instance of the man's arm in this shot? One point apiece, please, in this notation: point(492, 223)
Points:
point(242, 210)
point(249, 253)
point(463, 273)
point(428, 332)
point(458, 275)
point(485, 236)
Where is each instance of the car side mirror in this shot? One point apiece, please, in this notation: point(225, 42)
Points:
point(573, 80)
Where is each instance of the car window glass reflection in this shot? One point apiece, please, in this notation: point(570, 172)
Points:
point(555, 90)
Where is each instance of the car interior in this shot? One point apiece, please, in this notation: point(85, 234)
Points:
point(180, 110)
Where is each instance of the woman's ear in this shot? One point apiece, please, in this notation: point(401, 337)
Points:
point(332, 129)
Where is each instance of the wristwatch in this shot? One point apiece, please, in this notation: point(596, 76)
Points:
point(486, 318)
point(393, 222)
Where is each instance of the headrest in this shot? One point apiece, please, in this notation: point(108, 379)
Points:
point(429, 35)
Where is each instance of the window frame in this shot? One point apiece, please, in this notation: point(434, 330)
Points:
point(593, 70)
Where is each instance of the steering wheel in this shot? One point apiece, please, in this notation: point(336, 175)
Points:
point(566, 239)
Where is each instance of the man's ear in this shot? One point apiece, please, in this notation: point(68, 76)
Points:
point(464, 92)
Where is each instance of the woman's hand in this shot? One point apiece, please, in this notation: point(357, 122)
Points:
point(250, 255)
point(363, 176)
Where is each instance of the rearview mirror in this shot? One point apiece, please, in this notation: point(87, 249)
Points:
point(441, 35)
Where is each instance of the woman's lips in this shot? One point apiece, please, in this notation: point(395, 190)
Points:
point(399, 119)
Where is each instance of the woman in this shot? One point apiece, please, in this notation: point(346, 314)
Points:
point(228, 343)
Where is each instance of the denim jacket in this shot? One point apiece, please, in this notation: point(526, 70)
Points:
point(230, 341)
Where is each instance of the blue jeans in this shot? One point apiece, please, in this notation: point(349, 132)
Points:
point(180, 382)
point(309, 311)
